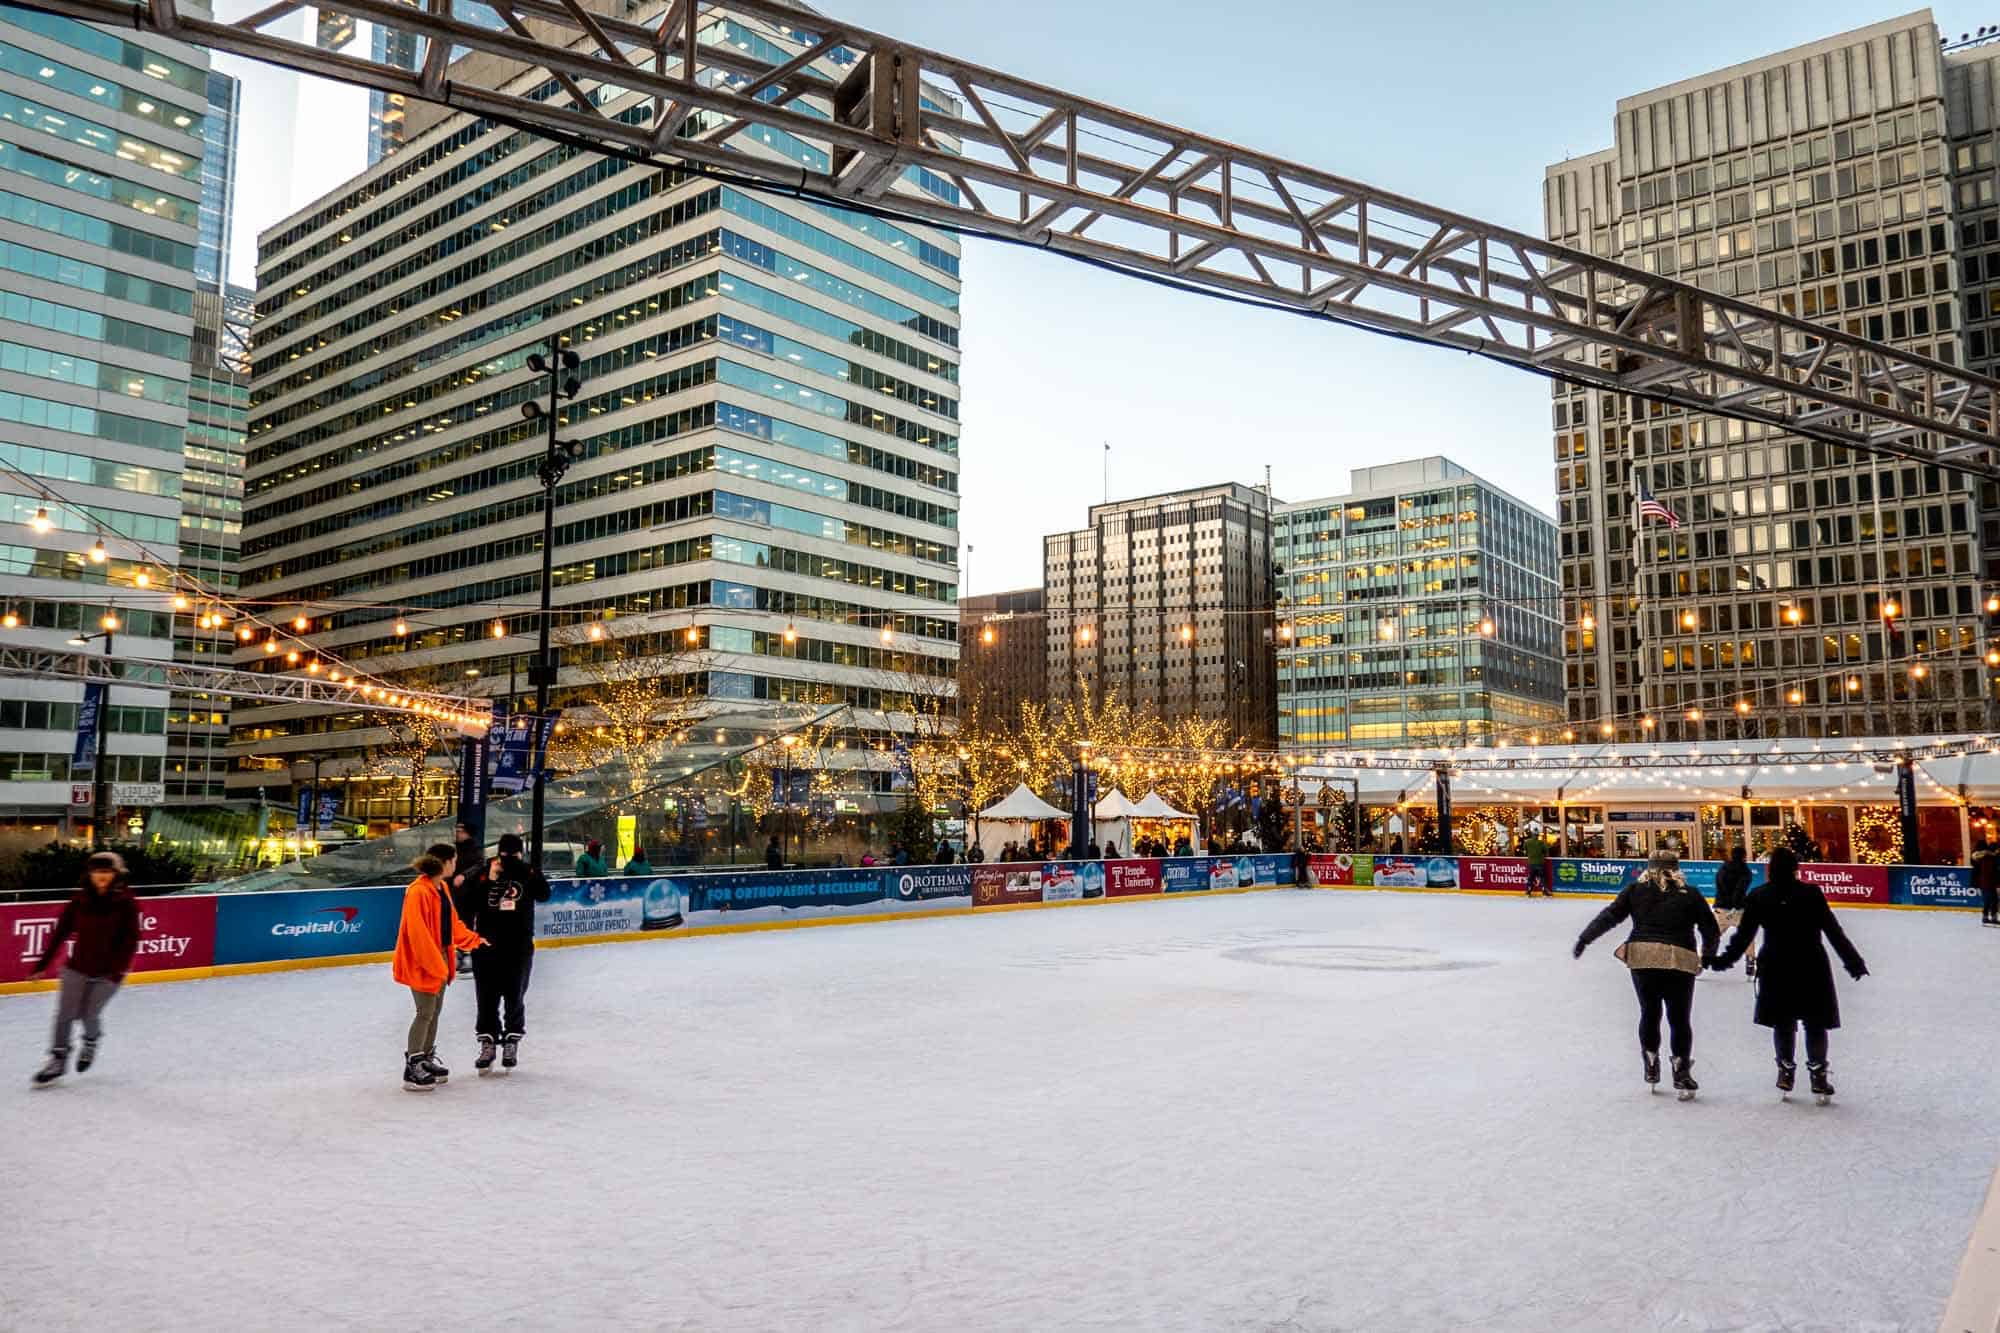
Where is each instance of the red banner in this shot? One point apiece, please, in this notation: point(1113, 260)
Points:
point(996, 884)
point(1493, 872)
point(1131, 878)
point(173, 933)
point(1846, 883)
point(1331, 870)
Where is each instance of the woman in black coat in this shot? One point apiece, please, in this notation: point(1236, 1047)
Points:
point(1665, 915)
point(1732, 886)
point(1794, 979)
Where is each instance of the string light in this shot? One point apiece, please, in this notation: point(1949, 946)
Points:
point(1083, 635)
point(98, 555)
point(1187, 633)
point(1689, 620)
point(402, 627)
point(246, 634)
point(1891, 609)
point(1919, 671)
point(180, 602)
point(1743, 707)
point(1387, 630)
point(1795, 696)
point(11, 620)
point(986, 635)
point(109, 621)
point(270, 646)
point(141, 579)
point(1794, 615)
point(597, 632)
point(693, 634)
point(41, 521)
point(887, 635)
point(1588, 622)
point(499, 629)
point(1694, 714)
point(1486, 627)
point(1993, 604)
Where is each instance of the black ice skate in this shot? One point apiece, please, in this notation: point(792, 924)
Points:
point(1750, 969)
point(1788, 1074)
point(436, 1066)
point(1822, 1087)
point(484, 1064)
point(416, 1076)
point(1684, 1084)
point(58, 1064)
point(1652, 1059)
point(86, 1057)
point(510, 1050)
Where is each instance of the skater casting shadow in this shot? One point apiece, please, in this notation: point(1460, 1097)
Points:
point(1665, 914)
point(1794, 978)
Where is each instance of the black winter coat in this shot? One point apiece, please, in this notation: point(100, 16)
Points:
point(1732, 884)
point(1794, 979)
point(505, 914)
point(1663, 910)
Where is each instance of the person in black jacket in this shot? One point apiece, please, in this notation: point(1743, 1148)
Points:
point(505, 919)
point(466, 888)
point(774, 858)
point(1732, 885)
point(1665, 915)
point(103, 919)
point(1795, 983)
point(1986, 878)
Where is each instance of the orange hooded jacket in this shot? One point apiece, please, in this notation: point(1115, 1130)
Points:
point(423, 961)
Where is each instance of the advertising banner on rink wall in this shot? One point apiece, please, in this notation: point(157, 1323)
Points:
point(1507, 873)
point(1131, 879)
point(264, 927)
point(1006, 884)
point(1848, 884)
point(1341, 871)
point(173, 933)
point(1932, 886)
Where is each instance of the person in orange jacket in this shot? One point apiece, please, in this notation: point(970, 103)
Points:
point(425, 961)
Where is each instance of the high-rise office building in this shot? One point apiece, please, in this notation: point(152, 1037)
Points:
point(389, 125)
point(1809, 590)
point(197, 760)
point(767, 430)
point(218, 180)
point(1003, 654)
point(101, 161)
point(1419, 609)
point(1168, 600)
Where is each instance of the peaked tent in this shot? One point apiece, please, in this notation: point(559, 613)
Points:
point(1111, 820)
point(1013, 819)
point(1153, 818)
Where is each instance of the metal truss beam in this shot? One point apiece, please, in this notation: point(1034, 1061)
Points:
point(1034, 164)
point(264, 687)
point(1561, 759)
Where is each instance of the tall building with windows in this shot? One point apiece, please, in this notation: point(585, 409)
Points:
point(101, 160)
point(218, 180)
point(768, 437)
point(1168, 600)
point(1419, 609)
point(197, 759)
point(1003, 655)
point(1809, 590)
point(389, 122)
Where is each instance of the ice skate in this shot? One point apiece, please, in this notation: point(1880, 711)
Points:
point(510, 1050)
point(1788, 1074)
point(86, 1057)
point(53, 1070)
point(416, 1077)
point(1684, 1085)
point(484, 1064)
point(1652, 1059)
point(1822, 1087)
point(436, 1067)
point(1750, 969)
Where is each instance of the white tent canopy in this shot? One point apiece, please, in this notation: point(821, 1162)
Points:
point(1021, 805)
point(1114, 805)
point(1111, 822)
point(1152, 806)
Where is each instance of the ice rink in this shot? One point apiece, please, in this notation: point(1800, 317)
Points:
point(1280, 1110)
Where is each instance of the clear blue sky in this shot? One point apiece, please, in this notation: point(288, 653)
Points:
point(1457, 103)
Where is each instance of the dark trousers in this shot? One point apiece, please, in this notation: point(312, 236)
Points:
point(500, 976)
point(1660, 988)
point(1989, 903)
point(1784, 1038)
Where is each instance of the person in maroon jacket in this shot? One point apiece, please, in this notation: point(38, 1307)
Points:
point(103, 919)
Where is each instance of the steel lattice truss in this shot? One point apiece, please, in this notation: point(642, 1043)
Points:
point(1039, 165)
point(265, 687)
point(1551, 759)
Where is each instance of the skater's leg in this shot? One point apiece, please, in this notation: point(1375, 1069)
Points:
point(487, 984)
point(1677, 989)
point(1815, 1045)
point(97, 993)
point(423, 1028)
point(1650, 1000)
point(1785, 1041)
point(69, 1007)
point(517, 1016)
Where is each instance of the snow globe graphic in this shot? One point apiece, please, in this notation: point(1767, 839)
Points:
point(1090, 878)
point(1440, 872)
point(1246, 872)
point(665, 906)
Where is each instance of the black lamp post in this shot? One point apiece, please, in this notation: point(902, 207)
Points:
point(560, 366)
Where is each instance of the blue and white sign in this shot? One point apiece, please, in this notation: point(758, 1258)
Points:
point(260, 927)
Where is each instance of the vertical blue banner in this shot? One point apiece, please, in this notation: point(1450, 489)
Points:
point(471, 786)
point(83, 761)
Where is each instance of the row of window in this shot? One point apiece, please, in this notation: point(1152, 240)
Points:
point(55, 767)
point(89, 518)
point(89, 374)
point(112, 48)
point(94, 278)
point(92, 325)
point(99, 138)
point(73, 176)
point(140, 103)
point(742, 333)
point(75, 226)
point(55, 465)
point(28, 410)
point(43, 614)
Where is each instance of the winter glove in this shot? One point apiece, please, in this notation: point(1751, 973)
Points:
point(1577, 952)
point(1858, 971)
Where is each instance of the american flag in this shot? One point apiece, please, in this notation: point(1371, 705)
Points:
point(1648, 506)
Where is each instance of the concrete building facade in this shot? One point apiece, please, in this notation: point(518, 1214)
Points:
point(1003, 651)
point(768, 439)
point(1809, 591)
point(1168, 600)
point(1418, 609)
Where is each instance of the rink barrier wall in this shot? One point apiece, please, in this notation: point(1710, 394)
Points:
point(1974, 1303)
point(193, 937)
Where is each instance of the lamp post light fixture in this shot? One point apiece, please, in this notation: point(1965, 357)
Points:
point(562, 368)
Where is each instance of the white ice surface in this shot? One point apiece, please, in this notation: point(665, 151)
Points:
point(1173, 1115)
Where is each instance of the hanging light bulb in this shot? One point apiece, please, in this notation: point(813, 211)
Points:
point(1647, 722)
point(141, 579)
point(110, 621)
point(887, 634)
point(986, 635)
point(1486, 626)
point(1285, 631)
point(1083, 635)
point(270, 647)
point(301, 624)
point(312, 667)
point(246, 634)
point(1568, 734)
point(1853, 684)
point(1795, 696)
point(1919, 671)
point(694, 634)
point(1891, 609)
point(1993, 657)
point(1689, 620)
point(1589, 621)
point(1187, 633)
point(1694, 714)
point(596, 632)
point(499, 629)
point(98, 555)
point(292, 658)
point(791, 633)
point(180, 602)
point(402, 627)
point(41, 521)
point(1608, 729)
point(1794, 615)
point(1993, 603)
point(12, 620)
point(1743, 707)
point(1386, 630)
